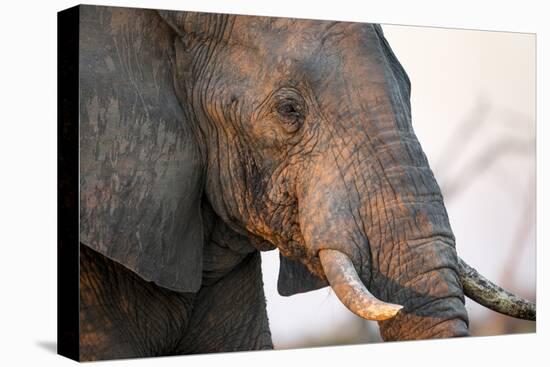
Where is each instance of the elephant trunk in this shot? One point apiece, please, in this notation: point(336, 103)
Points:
point(433, 298)
point(379, 205)
point(414, 264)
point(387, 251)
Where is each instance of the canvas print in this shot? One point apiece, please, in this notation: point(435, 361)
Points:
point(191, 143)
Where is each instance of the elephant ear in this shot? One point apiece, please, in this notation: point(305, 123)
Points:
point(140, 165)
point(294, 277)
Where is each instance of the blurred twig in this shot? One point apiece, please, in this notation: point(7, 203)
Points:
point(462, 137)
point(482, 162)
point(519, 240)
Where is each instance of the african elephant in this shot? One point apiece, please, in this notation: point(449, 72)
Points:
point(206, 138)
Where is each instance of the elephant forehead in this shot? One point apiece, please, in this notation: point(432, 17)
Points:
point(278, 49)
point(297, 38)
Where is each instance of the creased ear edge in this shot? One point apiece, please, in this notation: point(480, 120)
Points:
point(175, 272)
point(149, 276)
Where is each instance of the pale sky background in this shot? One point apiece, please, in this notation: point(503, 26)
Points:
point(486, 79)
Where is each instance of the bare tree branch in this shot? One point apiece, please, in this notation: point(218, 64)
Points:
point(482, 162)
point(462, 137)
point(519, 240)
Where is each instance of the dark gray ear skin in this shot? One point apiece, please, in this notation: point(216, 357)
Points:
point(140, 168)
point(295, 278)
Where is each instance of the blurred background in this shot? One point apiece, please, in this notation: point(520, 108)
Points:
point(473, 108)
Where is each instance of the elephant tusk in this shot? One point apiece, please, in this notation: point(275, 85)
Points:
point(490, 295)
point(351, 291)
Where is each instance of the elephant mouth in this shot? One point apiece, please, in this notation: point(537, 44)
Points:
point(350, 290)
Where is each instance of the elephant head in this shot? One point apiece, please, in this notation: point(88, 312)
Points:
point(294, 133)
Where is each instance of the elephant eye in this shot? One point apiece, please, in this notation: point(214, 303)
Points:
point(291, 113)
